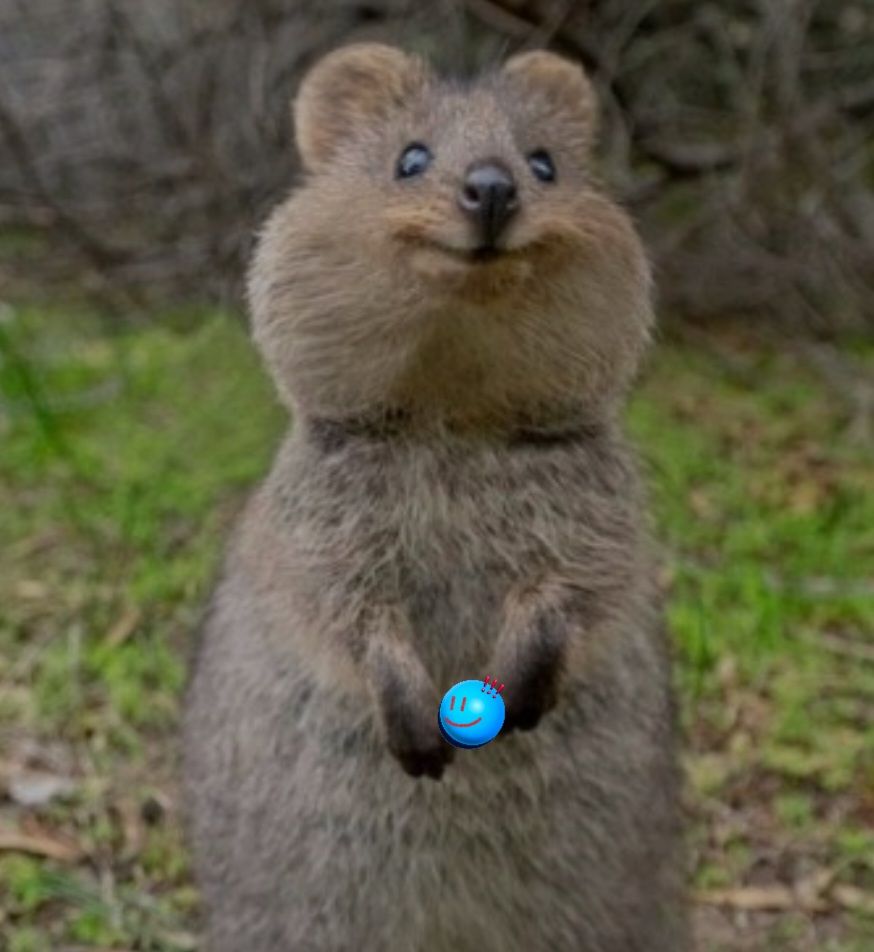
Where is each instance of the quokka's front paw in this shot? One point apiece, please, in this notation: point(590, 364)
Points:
point(529, 696)
point(526, 716)
point(530, 654)
point(427, 761)
point(419, 749)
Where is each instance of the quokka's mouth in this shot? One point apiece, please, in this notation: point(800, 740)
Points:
point(479, 255)
point(486, 253)
point(483, 270)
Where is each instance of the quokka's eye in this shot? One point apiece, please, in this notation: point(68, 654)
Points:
point(413, 160)
point(542, 166)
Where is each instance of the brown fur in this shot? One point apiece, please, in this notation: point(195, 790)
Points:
point(455, 500)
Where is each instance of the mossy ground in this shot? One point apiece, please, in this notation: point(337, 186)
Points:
point(123, 455)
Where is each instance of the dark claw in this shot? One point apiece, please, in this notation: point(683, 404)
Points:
point(525, 720)
point(528, 715)
point(429, 762)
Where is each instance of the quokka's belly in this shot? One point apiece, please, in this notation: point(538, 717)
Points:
point(342, 850)
point(520, 839)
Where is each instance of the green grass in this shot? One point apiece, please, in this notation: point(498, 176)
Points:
point(122, 458)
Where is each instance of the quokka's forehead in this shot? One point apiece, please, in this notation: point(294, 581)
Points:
point(480, 103)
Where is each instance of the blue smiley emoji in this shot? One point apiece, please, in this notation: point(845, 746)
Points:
point(471, 713)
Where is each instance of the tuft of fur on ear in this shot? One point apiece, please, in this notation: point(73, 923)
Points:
point(559, 87)
point(350, 87)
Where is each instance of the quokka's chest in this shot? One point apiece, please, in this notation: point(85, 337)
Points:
point(455, 512)
point(466, 517)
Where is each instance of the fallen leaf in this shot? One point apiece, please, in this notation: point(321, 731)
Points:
point(806, 497)
point(847, 646)
point(180, 941)
point(14, 841)
point(32, 589)
point(124, 627)
point(701, 504)
point(31, 789)
point(851, 897)
point(131, 821)
point(812, 887)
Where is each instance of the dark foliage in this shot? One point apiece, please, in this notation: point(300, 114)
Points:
point(146, 141)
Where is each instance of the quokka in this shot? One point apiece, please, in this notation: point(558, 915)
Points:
point(453, 310)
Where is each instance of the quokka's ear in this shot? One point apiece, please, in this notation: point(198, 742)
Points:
point(350, 87)
point(559, 87)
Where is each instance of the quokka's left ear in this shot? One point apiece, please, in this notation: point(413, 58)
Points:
point(351, 87)
point(560, 88)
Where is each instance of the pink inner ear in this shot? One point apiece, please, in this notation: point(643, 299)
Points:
point(452, 704)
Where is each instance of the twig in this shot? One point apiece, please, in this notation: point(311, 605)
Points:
point(13, 841)
point(500, 18)
point(835, 644)
point(774, 898)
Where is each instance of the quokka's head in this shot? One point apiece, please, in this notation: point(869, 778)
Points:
point(448, 251)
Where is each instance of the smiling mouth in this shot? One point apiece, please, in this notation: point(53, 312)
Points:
point(480, 255)
point(456, 724)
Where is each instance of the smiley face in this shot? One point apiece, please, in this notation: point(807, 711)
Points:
point(471, 714)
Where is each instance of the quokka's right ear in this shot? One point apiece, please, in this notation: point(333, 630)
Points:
point(560, 87)
point(353, 86)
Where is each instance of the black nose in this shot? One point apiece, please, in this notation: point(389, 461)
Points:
point(488, 196)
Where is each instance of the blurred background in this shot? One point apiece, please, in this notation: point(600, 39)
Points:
point(141, 144)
